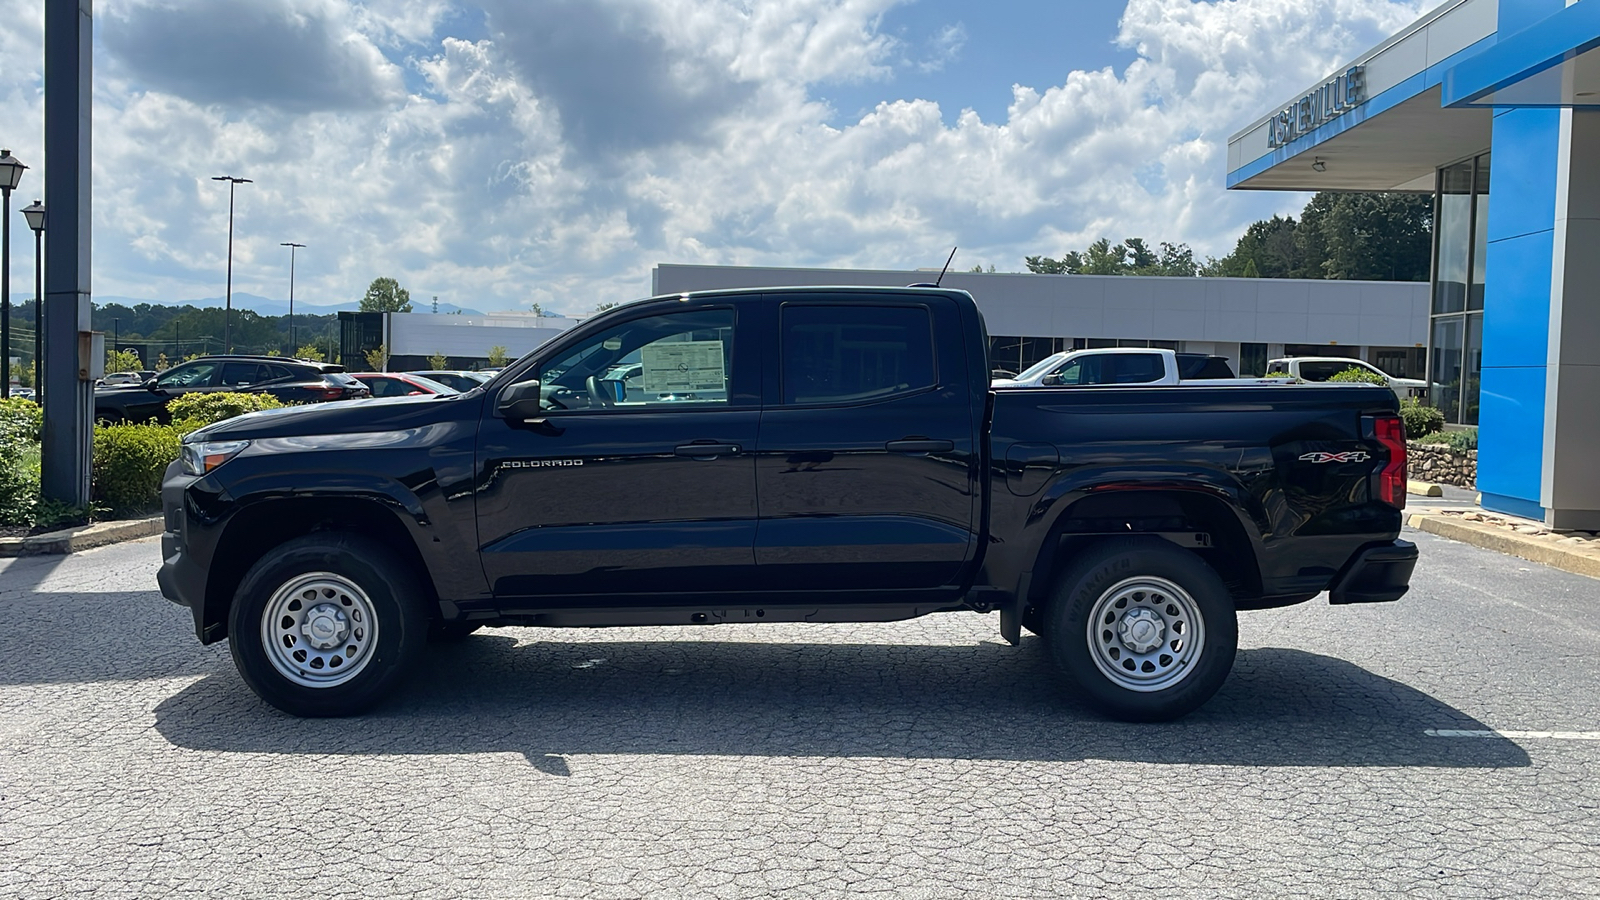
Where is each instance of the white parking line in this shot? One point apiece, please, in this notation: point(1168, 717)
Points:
point(1549, 735)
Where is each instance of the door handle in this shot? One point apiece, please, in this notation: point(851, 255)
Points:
point(920, 445)
point(707, 450)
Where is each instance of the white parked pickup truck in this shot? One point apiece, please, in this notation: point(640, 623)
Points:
point(1115, 366)
point(1321, 368)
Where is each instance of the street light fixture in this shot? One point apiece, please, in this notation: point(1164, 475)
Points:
point(227, 312)
point(292, 247)
point(35, 216)
point(10, 176)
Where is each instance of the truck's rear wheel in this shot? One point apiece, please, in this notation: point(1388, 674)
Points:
point(325, 624)
point(1144, 631)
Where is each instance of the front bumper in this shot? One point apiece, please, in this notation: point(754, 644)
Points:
point(182, 578)
point(1378, 574)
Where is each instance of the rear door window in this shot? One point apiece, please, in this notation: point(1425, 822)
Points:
point(236, 374)
point(855, 353)
point(1321, 371)
point(1135, 368)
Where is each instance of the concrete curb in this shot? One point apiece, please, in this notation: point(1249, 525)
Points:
point(83, 537)
point(1540, 548)
point(1424, 489)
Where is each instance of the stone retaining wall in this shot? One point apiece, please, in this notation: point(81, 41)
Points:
point(1438, 463)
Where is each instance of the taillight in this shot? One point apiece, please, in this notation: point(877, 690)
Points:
point(332, 393)
point(1390, 432)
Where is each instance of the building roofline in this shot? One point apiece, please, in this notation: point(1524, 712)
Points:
point(1409, 30)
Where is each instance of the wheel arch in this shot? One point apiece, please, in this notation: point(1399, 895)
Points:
point(1094, 515)
point(257, 528)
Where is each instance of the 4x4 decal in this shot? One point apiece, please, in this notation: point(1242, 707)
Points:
point(1320, 456)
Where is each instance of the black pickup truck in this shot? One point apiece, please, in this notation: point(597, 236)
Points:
point(798, 455)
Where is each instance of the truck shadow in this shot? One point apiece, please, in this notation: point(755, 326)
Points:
point(554, 699)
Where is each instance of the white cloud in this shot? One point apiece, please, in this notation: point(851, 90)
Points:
point(562, 148)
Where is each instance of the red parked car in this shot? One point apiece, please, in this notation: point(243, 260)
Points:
point(390, 384)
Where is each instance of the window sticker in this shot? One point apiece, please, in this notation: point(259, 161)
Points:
point(680, 367)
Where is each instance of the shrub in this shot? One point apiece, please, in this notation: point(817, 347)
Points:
point(128, 463)
point(1421, 420)
point(1358, 375)
point(19, 486)
point(196, 409)
point(1459, 440)
point(20, 420)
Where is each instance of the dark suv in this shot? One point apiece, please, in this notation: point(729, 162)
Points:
point(289, 380)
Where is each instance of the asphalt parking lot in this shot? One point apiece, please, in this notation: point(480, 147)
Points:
point(917, 759)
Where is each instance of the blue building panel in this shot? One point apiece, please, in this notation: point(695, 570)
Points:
point(1511, 435)
point(1516, 308)
point(1522, 173)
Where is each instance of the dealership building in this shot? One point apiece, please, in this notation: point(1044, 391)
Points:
point(1247, 320)
point(1480, 101)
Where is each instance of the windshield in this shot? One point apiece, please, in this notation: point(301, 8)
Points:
point(1041, 367)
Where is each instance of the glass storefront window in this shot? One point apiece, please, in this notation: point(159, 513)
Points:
point(1454, 224)
point(1480, 233)
point(1252, 360)
point(1445, 385)
point(1472, 370)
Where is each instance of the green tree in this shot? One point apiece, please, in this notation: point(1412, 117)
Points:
point(1250, 270)
point(439, 362)
point(498, 356)
point(310, 353)
point(1359, 375)
point(1133, 256)
point(377, 358)
point(386, 295)
point(122, 361)
point(602, 307)
point(1367, 237)
point(1377, 237)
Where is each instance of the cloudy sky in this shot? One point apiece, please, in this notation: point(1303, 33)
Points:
point(498, 153)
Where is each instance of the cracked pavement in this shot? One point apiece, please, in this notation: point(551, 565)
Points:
point(913, 759)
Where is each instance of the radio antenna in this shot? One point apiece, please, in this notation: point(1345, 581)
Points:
point(946, 266)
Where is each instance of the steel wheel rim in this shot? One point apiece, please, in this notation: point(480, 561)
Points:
point(319, 630)
point(1146, 634)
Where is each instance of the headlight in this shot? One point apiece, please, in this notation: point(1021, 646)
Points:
point(201, 457)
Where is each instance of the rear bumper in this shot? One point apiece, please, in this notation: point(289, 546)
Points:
point(1378, 574)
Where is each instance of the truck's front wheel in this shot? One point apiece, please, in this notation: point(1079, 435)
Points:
point(325, 624)
point(1145, 631)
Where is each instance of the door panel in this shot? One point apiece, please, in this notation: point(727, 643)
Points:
point(866, 468)
point(608, 505)
point(637, 476)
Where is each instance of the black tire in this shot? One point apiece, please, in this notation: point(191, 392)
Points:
point(450, 632)
point(353, 583)
point(1159, 664)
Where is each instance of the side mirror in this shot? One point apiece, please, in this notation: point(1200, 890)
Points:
point(152, 386)
point(1052, 378)
point(520, 401)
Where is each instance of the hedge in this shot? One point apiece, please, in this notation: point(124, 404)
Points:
point(1420, 420)
point(1358, 375)
point(1460, 440)
point(20, 420)
point(128, 463)
point(198, 409)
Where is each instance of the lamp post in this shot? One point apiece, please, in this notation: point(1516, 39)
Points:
point(35, 216)
point(227, 311)
point(292, 247)
point(10, 174)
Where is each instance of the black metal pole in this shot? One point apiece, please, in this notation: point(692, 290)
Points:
point(5, 296)
point(227, 312)
point(38, 316)
point(291, 301)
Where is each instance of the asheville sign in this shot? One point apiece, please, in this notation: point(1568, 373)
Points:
point(1327, 102)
